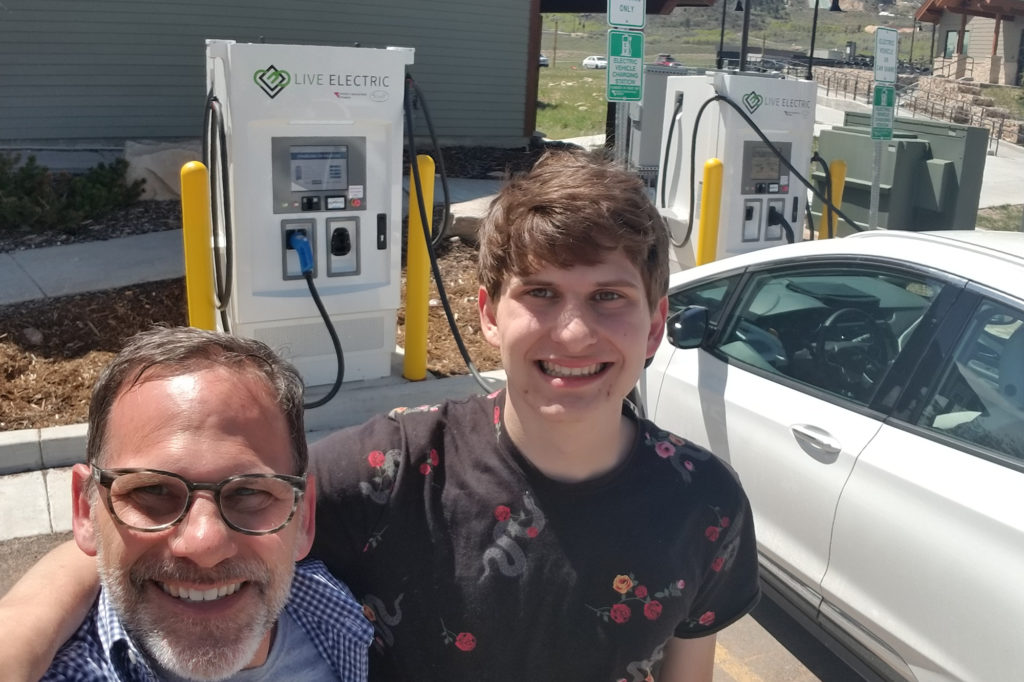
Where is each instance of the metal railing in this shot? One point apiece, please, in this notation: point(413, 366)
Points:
point(914, 100)
point(951, 66)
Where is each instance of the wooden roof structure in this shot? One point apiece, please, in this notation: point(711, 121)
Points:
point(931, 10)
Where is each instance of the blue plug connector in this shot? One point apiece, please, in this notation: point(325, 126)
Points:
point(297, 240)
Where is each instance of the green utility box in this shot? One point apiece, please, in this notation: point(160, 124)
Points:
point(930, 175)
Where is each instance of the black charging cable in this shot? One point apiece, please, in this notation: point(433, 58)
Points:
point(488, 385)
point(300, 243)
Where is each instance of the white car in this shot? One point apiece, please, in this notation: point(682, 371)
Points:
point(595, 61)
point(869, 392)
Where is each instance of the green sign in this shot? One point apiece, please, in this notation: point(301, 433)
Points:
point(625, 78)
point(883, 104)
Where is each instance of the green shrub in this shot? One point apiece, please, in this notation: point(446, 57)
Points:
point(35, 199)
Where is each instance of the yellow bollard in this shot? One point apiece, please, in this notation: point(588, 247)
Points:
point(710, 212)
point(837, 172)
point(417, 274)
point(196, 233)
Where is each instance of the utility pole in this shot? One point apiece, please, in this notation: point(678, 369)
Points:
point(554, 50)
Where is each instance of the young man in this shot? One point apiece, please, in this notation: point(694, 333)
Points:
point(545, 532)
point(194, 501)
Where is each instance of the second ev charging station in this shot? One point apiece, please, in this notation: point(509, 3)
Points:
point(757, 187)
point(312, 138)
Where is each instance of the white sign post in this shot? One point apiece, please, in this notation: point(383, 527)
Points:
point(887, 50)
point(627, 13)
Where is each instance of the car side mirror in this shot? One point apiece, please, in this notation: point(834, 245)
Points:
point(688, 327)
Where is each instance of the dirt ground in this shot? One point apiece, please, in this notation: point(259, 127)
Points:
point(52, 351)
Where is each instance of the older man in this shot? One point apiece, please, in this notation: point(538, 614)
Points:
point(195, 501)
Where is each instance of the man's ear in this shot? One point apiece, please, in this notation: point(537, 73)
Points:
point(82, 498)
point(657, 329)
point(488, 318)
point(306, 518)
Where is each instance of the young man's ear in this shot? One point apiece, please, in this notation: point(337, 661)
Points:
point(488, 318)
point(305, 516)
point(82, 498)
point(657, 330)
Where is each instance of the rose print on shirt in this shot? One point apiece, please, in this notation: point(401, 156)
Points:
point(648, 606)
point(714, 531)
point(511, 529)
point(431, 463)
point(383, 467)
point(463, 641)
point(681, 455)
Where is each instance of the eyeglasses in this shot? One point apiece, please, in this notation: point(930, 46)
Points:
point(150, 500)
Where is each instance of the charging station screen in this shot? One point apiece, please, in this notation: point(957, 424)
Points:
point(764, 164)
point(318, 167)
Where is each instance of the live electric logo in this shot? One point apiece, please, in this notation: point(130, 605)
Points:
point(272, 80)
point(752, 101)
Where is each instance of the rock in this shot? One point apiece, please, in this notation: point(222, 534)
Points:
point(33, 336)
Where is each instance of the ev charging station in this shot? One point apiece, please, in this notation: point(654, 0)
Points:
point(312, 137)
point(756, 184)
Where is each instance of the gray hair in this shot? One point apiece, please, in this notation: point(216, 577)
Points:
point(176, 351)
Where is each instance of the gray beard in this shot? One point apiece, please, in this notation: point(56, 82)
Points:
point(196, 649)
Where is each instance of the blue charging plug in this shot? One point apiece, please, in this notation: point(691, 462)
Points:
point(298, 241)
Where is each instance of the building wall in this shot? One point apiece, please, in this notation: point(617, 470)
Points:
point(111, 70)
point(984, 64)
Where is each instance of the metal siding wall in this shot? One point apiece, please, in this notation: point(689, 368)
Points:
point(131, 69)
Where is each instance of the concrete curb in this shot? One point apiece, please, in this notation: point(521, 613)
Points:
point(61, 446)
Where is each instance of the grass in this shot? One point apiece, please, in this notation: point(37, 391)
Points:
point(1009, 97)
point(1005, 218)
point(571, 100)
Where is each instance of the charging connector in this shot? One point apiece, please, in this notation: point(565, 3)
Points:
point(297, 248)
point(299, 240)
point(776, 216)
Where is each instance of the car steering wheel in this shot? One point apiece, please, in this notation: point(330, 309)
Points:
point(856, 363)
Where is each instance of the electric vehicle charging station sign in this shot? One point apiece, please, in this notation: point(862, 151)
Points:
point(625, 80)
point(627, 13)
point(882, 107)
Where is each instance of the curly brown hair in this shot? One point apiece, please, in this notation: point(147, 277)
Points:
point(572, 208)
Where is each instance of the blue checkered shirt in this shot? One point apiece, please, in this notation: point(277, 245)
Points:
point(324, 609)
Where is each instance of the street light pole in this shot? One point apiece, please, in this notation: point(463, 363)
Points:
point(913, 32)
point(814, 33)
point(746, 35)
point(721, 37)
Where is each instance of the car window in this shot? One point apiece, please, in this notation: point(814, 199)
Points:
point(838, 329)
point(711, 295)
point(980, 398)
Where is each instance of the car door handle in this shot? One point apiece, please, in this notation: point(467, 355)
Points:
point(818, 438)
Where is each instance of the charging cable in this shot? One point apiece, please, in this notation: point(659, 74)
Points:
point(300, 243)
point(488, 385)
point(215, 156)
point(775, 217)
point(826, 200)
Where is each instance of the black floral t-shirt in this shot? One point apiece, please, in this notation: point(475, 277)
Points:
point(472, 565)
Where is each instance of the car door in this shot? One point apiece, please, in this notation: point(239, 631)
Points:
point(782, 390)
point(928, 546)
